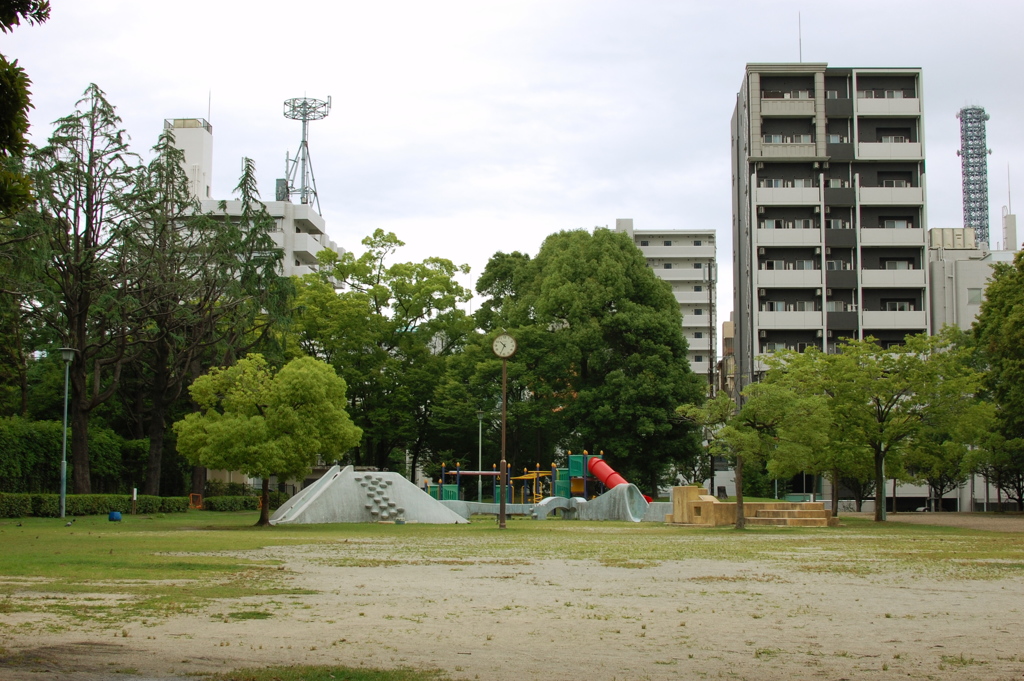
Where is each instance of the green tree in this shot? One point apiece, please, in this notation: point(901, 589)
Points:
point(955, 421)
point(602, 338)
point(84, 286)
point(387, 333)
point(774, 423)
point(15, 102)
point(998, 333)
point(266, 424)
point(1001, 461)
point(709, 417)
point(196, 270)
point(883, 404)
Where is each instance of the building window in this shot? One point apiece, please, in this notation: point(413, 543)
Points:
point(667, 266)
point(901, 223)
point(698, 334)
point(696, 242)
point(698, 288)
point(831, 94)
point(897, 264)
point(668, 242)
point(697, 265)
point(974, 296)
point(644, 243)
point(698, 358)
point(698, 311)
point(899, 306)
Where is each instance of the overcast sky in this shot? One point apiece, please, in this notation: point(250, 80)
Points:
point(473, 127)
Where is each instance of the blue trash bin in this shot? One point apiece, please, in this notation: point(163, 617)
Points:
point(114, 517)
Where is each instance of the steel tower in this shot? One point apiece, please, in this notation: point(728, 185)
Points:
point(974, 162)
point(304, 109)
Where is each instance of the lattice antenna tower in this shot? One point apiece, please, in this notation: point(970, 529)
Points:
point(299, 170)
point(973, 155)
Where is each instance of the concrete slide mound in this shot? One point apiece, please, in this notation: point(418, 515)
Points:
point(343, 495)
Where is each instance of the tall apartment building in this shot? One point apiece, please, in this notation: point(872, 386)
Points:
point(829, 219)
point(685, 258)
point(298, 229)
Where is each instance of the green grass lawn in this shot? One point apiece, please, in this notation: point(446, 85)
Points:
point(159, 566)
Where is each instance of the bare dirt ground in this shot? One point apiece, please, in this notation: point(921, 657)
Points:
point(993, 522)
point(555, 619)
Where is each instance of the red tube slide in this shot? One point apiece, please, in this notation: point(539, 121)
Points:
point(608, 477)
point(603, 472)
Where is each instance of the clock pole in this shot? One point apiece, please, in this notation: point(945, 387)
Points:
point(503, 469)
point(504, 346)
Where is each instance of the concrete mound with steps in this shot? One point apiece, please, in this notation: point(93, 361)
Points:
point(344, 495)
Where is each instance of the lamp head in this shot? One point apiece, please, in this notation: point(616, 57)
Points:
point(480, 414)
point(68, 354)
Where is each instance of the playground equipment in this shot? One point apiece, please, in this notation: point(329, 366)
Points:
point(344, 495)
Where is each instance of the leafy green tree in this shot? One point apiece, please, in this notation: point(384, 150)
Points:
point(774, 423)
point(1001, 461)
point(883, 403)
point(601, 337)
point(955, 421)
point(266, 424)
point(84, 288)
point(15, 102)
point(387, 333)
point(998, 333)
point(709, 417)
point(194, 292)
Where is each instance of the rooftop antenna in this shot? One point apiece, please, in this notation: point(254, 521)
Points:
point(800, 36)
point(303, 109)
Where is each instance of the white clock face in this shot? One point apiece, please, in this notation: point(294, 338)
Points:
point(504, 346)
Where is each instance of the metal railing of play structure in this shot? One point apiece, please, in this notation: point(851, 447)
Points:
point(534, 485)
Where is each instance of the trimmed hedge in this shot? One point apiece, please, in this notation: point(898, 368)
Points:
point(231, 503)
point(247, 503)
point(48, 505)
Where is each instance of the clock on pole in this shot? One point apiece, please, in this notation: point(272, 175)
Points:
point(504, 346)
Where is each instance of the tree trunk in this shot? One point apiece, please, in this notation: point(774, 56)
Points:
point(198, 480)
point(156, 452)
point(264, 520)
point(741, 521)
point(80, 448)
point(158, 395)
point(414, 461)
point(879, 486)
point(835, 493)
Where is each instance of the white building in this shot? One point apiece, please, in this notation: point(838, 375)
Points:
point(298, 229)
point(958, 272)
point(685, 258)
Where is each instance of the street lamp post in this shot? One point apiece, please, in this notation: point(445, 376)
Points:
point(68, 355)
point(480, 456)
